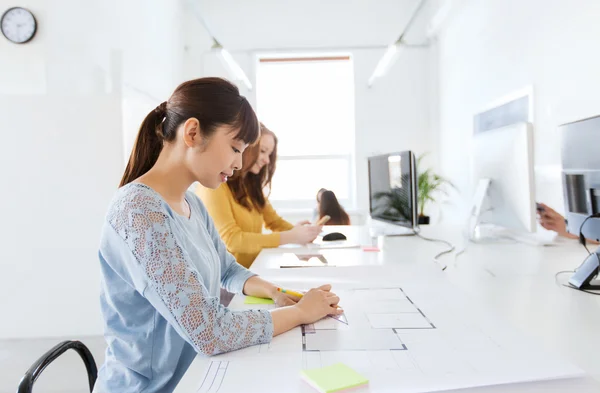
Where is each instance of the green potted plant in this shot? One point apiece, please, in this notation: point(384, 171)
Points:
point(394, 204)
point(429, 185)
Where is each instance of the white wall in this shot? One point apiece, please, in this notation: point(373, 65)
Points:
point(60, 166)
point(213, 66)
point(60, 121)
point(394, 114)
point(62, 98)
point(163, 45)
point(492, 48)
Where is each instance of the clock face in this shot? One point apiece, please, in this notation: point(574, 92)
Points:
point(18, 25)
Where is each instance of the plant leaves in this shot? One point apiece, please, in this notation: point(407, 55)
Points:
point(429, 183)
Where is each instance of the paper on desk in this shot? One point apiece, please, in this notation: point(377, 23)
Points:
point(377, 295)
point(468, 347)
point(339, 340)
point(252, 375)
point(391, 306)
point(402, 320)
point(289, 260)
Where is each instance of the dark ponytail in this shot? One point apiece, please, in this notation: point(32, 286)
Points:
point(148, 145)
point(213, 102)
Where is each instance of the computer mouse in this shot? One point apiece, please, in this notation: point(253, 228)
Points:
point(334, 236)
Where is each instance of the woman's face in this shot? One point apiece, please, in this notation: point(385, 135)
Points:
point(266, 146)
point(214, 160)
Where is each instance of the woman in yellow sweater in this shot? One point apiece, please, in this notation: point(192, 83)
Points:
point(240, 208)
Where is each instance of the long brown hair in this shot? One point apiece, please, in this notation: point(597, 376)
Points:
point(329, 206)
point(212, 101)
point(248, 188)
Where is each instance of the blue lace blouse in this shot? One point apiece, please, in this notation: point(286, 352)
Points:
point(161, 279)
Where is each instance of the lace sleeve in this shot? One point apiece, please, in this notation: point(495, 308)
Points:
point(211, 328)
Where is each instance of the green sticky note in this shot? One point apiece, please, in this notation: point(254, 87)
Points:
point(333, 378)
point(257, 300)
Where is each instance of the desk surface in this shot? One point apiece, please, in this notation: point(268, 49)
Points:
point(515, 281)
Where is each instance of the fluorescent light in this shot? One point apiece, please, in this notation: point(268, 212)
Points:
point(439, 18)
point(231, 65)
point(389, 57)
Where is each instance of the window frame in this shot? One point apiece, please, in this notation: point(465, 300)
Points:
point(350, 157)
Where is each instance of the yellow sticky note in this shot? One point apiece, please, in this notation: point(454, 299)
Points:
point(334, 378)
point(257, 300)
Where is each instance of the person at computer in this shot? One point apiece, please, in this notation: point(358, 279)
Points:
point(162, 261)
point(551, 220)
point(240, 208)
point(330, 206)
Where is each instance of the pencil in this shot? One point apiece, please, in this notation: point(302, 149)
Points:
point(293, 293)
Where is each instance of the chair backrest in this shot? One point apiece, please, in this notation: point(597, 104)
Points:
point(26, 384)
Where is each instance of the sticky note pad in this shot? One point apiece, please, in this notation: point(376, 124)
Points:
point(334, 378)
point(370, 248)
point(257, 300)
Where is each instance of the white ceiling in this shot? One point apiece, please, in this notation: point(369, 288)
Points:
point(285, 24)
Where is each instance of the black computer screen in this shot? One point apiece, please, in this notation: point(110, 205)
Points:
point(392, 188)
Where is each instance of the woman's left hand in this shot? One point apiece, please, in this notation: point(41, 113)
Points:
point(305, 222)
point(283, 299)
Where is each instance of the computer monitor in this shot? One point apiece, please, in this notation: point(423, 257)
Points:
point(581, 188)
point(502, 169)
point(393, 190)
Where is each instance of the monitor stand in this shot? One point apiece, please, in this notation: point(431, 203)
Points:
point(594, 285)
point(379, 228)
point(583, 278)
point(489, 234)
point(478, 231)
point(399, 231)
point(475, 231)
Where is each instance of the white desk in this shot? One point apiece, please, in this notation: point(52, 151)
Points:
point(515, 281)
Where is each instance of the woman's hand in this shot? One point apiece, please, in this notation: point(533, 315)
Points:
point(317, 304)
point(303, 222)
point(300, 234)
point(553, 221)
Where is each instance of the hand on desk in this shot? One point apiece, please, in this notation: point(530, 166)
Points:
point(318, 303)
point(301, 234)
point(553, 221)
point(284, 299)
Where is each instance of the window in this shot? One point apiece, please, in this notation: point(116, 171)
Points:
point(309, 104)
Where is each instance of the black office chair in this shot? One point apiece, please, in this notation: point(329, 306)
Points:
point(26, 384)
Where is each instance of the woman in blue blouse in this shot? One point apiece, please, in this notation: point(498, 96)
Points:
point(162, 260)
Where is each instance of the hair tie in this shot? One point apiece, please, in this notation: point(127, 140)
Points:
point(161, 110)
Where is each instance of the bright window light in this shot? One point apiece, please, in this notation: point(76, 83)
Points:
point(309, 104)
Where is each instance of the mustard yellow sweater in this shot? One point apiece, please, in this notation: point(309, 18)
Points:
point(240, 228)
